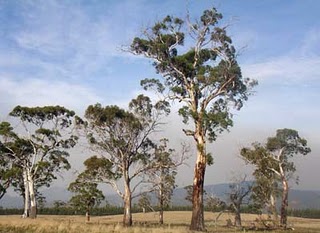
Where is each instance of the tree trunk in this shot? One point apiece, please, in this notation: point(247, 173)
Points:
point(284, 203)
point(161, 204)
point(33, 202)
point(26, 194)
point(127, 215)
point(237, 217)
point(161, 216)
point(197, 219)
point(273, 210)
point(87, 215)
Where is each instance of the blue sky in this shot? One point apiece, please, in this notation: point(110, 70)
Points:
point(69, 53)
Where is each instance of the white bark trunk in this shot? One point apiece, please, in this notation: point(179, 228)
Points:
point(33, 203)
point(273, 209)
point(26, 194)
point(127, 217)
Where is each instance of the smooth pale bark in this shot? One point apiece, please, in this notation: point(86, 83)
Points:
point(197, 219)
point(33, 202)
point(26, 194)
point(285, 191)
point(161, 204)
point(284, 204)
point(127, 215)
point(237, 218)
point(87, 216)
point(273, 209)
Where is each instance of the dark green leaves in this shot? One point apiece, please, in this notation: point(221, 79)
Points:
point(273, 162)
point(38, 115)
point(100, 169)
point(155, 84)
point(210, 17)
point(39, 147)
point(204, 74)
point(290, 141)
point(87, 194)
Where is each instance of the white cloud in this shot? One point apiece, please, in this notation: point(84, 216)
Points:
point(285, 70)
point(66, 40)
point(36, 92)
point(299, 66)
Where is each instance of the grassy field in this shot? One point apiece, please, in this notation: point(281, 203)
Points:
point(175, 222)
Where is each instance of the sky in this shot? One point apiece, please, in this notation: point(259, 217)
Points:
point(70, 53)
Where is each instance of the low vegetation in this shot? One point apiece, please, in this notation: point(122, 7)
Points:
point(177, 221)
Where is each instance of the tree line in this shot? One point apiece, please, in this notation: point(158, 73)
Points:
point(198, 65)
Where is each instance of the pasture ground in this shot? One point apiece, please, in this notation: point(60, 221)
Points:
point(175, 222)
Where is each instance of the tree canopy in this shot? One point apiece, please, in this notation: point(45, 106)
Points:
point(37, 149)
point(122, 139)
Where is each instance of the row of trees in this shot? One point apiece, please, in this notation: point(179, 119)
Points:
point(153, 166)
point(199, 69)
point(127, 156)
point(120, 138)
point(30, 158)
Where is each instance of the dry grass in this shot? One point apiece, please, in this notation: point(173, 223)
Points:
point(175, 222)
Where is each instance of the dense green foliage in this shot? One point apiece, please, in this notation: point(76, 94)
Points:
point(122, 138)
point(33, 153)
point(86, 194)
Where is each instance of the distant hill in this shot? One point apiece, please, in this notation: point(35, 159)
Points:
point(298, 199)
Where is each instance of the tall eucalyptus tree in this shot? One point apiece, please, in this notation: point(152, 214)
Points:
point(200, 70)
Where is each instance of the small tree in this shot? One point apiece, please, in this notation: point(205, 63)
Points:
point(239, 195)
point(162, 177)
point(40, 151)
point(265, 192)
point(199, 65)
point(122, 139)
point(87, 195)
point(144, 202)
point(215, 204)
point(274, 160)
point(59, 203)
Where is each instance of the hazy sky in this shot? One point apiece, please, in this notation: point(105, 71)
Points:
point(69, 53)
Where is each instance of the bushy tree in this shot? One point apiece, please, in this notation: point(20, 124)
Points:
point(144, 202)
point(163, 173)
point(239, 195)
point(87, 195)
point(214, 203)
point(273, 161)
point(200, 70)
point(38, 148)
point(122, 140)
